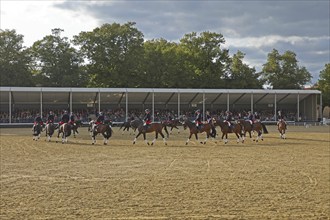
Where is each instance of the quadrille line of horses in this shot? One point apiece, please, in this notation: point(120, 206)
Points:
point(240, 128)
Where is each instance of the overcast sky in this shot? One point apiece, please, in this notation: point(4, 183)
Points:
point(253, 27)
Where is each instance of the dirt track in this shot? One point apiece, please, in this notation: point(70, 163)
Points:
point(273, 179)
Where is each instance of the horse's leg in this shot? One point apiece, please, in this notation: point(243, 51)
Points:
point(136, 137)
point(156, 137)
point(238, 138)
point(226, 139)
point(207, 136)
point(105, 140)
point(145, 138)
point(163, 136)
point(188, 138)
point(93, 138)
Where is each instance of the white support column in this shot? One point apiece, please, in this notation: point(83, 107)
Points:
point(70, 104)
point(298, 110)
point(321, 107)
point(153, 106)
point(179, 104)
point(9, 107)
point(252, 103)
point(275, 107)
point(203, 106)
point(227, 101)
point(99, 102)
point(41, 103)
point(126, 105)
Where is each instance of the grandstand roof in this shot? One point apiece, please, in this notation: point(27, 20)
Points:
point(25, 95)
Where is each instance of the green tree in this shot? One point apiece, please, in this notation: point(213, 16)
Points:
point(114, 54)
point(324, 84)
point(14, 60)
point(283, 72)
point(56, 63)
point(206, 61)
point(241, 76)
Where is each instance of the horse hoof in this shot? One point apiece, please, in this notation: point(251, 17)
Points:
point(186, 143)
point(152, 144)
point(105, 143)
point(92, 143)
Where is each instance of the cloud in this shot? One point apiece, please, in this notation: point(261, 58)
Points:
point(254, 27)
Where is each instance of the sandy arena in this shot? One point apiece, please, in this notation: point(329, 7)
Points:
point(272, 179)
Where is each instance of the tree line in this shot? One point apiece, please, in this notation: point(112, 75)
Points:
point(116, 55)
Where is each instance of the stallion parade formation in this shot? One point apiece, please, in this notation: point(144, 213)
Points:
point(240, 127)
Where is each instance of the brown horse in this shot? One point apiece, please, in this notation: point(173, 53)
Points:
point(194, 130)
point(281, 126)
point(65, 130)
point(256, 126)
point(225, 129)
point(153, 127)
point(104, 129)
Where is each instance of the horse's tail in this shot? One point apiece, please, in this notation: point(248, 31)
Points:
point(264, 128)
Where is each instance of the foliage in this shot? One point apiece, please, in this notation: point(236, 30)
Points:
point(114, 54)
point(14, 60)
point(283, 72)
point(56, 63)
point(324, 84)
point(241, 75)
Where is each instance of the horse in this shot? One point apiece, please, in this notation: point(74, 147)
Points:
point(194, 130)
point(174, 123)
point(257, 126)
point(126, 125)
point(153, 127)
point(36, 129)
point(49, 129)
point(75, 127)
point(235, 128)
point(65, 130)
point(104, 129)
point(281, 126)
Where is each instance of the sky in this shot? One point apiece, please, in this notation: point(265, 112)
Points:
point(255, 27)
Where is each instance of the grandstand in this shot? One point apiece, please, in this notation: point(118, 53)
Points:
point(305, 105)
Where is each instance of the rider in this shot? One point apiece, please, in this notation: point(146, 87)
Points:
point(38, 120)
point(198, 119)
point(147, 118)
point(72, 119)
point(99, 120)
point(50, 118)
point(209, 120)
point(280, 117)
point(65, 118)
point(228, 118)
point(250, 117)
point(256, 116)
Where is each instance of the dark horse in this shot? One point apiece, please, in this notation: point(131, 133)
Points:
point(36, 129)
point(75, 127)
point(104, 129)
point(235, 128)
point(174, 123)
point(257, 127)
point(65, 130)
point(207, 128)
point(126, 125)
point(49, 129)
point(153, 127)
point(281, 126)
